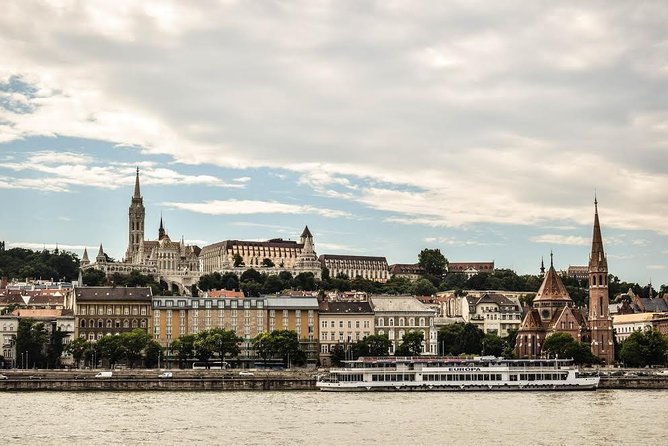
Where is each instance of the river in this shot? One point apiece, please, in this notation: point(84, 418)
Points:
point(603, 417)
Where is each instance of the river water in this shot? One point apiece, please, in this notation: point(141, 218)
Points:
point(603, 417)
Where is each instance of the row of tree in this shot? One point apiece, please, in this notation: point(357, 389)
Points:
point(54, 265)
point(38, 345)
point(134, 348)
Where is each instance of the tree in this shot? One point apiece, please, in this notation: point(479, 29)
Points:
point(283, 344)
point(432, 261)
point(337, 354)
point(563, 345)
point(273, 285)
point(94, 277)
point(266, 262)
point(411, 344)
point(134, 343)
point(305, 281)
point(152, 353)
point(457, 339)
point(77, 348)
point(55, 348)
point(111, 348)
point(224, 342)
point(238, 260)
point(377, 345)
point(202, 348)
point(31, 341)
point(184, 346)
point(492, 345)
point(252, 275)
point(644, 348)
point(423, 287)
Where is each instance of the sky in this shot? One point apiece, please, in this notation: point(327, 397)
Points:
point(483, 129)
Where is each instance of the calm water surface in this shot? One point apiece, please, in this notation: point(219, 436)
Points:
point(603, 417)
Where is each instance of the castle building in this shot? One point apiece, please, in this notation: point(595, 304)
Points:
point(370, 268)
point(600, 321)
point(172, 261)
point(163, 254)
point(552, 312)
point(272, 256)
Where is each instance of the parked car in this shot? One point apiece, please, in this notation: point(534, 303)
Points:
point(246, 374)
point(3, 376)
point(165, 375)
point(104, 375)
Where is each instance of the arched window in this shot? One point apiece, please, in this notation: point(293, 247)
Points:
point(99, 323)
point(411, 321)
point(83, 323)
point(401, 334)
point(381, 321)
point(117, 324)
point(143, 323)
point(108, 323)
point(593, 278)
point(402, 322)
point(134, 323)
point(421, 321)
point(126, 323)
point(390, 322)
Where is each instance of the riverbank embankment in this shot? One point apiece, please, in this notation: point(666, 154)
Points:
point(218, 380)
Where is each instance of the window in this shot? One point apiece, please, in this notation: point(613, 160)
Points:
point(340, 324)
point(324, 324)
point(357, 324)
point(381, 321)
point(391, 322)
point(402, 321)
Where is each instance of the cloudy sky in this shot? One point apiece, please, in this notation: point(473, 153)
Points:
point(480, 128)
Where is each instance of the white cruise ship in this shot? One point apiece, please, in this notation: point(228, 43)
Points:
point(434, 373)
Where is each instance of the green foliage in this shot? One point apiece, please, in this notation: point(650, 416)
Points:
point(424, 287)
point(644, 348)
point(432, 261)
point(337, 354)
point(31, 341)
point(373, 345)
point(218, 340)
point(563, 345)
point(237, 260)
point(267, 263)
point(77, 348)
point(184, 348)
point(55, 348)
point(304, 281)
point(411, 344)
point(22, 263)
point(457, 339)
point(94, 277)
point(282, 344)
point(273, 285)
point(216, 281)
point(152, 353)
point(493, 345)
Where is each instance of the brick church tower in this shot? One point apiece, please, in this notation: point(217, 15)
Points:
point(600, 322)
point(136, 218)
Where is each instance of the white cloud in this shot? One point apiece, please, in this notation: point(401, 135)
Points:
point(450, 114)
point(456, 241)
point(339, 248)
point(247, 207)
point(558, 239)
point(77, 249)
point(61, 170)
point(660, 267)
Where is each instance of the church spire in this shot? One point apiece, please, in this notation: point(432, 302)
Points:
point(137, 194)
point(161, 230)
point(597, 259)
point(542, 267)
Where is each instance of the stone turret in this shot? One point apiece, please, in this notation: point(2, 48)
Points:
point(84, 259)
point(100, 258)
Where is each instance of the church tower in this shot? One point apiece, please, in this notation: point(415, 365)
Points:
point(600, 322)
point(136, 218)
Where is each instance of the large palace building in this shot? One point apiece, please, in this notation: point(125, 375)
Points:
point(553, 310)
point(272, 256)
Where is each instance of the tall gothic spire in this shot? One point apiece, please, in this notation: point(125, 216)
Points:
point(597, 258)
point(161, 230)
point(542, 267)
point(137, 194)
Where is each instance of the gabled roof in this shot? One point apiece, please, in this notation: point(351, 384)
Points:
point(398, 303)
point(552, 288)
point(532, 321)
point(496, 298)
